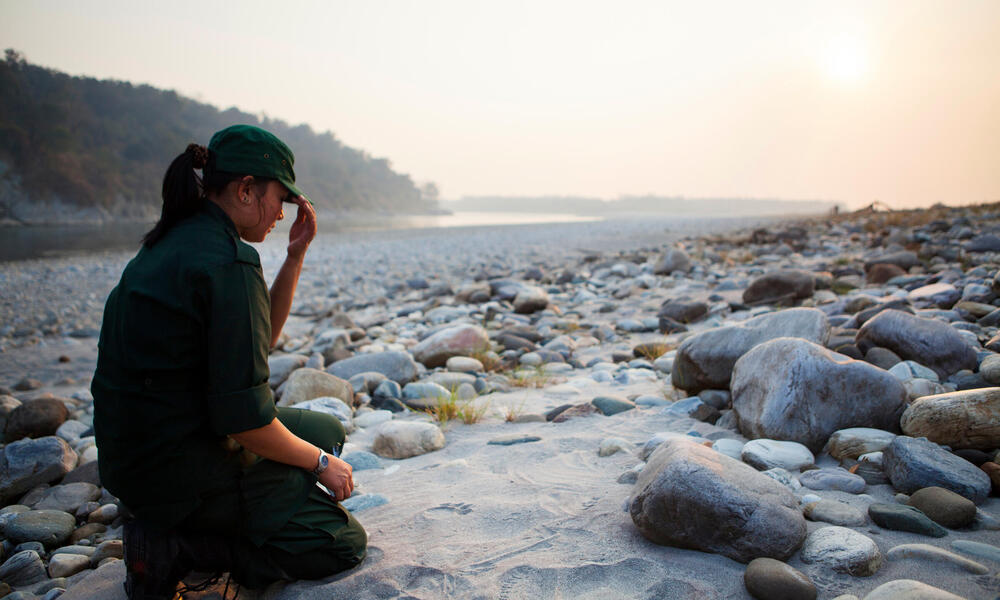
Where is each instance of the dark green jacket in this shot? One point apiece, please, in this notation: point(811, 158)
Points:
point(182, 363)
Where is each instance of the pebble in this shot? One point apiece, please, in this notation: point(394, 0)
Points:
point(835, 513)
point(855, 441)
point(512, 439)
point(944, 507)
point(64, 565)
point(50, 527)
point(835, 478)
point(611, 446)
point(361, 460)
point(900, 517)
point(766, 454)
point(978, 549)
point(728, 446)
point(104, 515)
point(909, 589)
point(928, 552)
point(23, 568)
point(770, 579)
point(360, 502)
point(843, 550)
point(373, 418)
point(403, 439)
point(612, 405)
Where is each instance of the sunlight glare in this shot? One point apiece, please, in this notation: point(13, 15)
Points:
point(846, 61)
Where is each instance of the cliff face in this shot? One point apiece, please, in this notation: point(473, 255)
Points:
point(79, 150)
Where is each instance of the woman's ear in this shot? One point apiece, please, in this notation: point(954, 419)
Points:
point(244, 188)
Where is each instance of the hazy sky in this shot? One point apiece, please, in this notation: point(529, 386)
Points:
point(847, 100)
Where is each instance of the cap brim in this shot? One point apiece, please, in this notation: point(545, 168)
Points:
point(294, 190)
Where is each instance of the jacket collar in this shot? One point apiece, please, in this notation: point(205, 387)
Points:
point(216, 213)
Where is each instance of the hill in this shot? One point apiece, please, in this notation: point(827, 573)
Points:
point(638, 205)
point(76, 149)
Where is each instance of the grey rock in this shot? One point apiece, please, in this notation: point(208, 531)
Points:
point(768, 454)
point(397, 366)
point(330, 406)
point(835, 513)
point(611, 405)
point(403, 439)
point(835, 478)
point(942, 295)
point(65, 565)
point(693, 497)
point(23, 568)
point(35, 419)
point(674, 259)
point(903, 259)
point(372, 418)
point(933, 553)
point(683, 312)
point(361, 460)
point(843, 550)
point(979, 549)
point(282, 366)
point(909, 589)
point(424, 395)
point(513, 439)
point(28, 463)
point(900, 517)
point(770, 579)
point(107, 549)
point(362, 502)
point(307, 384)
point(460, 340)
point(966, 419)
point(929, 342)
point(793, 389)
point(367, 382)
point(914, 463)
point(785, 286)
point(706, 360)
point(50, 527)
point(68, 497)
point(530, 299)
point(855, 441)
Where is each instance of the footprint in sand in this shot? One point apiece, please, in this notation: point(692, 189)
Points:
point(449, 508)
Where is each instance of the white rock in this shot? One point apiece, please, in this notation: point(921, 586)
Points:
point(403, 439)
point(331, 406)
point(610, 446)
point(464, 364)
point(373, 418)
point(933, 553)
point(767, 454)
point(843, 550)
point(855, 441)
point(64, 565)
point(909, 589)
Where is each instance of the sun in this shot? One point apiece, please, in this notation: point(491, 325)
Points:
point(845, 60)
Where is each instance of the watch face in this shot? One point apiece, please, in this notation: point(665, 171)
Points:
point(324, 461)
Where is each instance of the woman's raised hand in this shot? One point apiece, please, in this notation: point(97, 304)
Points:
point(338, 478)
point(303, 229)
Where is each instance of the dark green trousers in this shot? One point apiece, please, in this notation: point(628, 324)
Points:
point(320, 539)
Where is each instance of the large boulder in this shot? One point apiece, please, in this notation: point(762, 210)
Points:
point(691, 496)
point(965, 419)
point(915, 463)
point(395, 365)
point(705, 361)
point(35, 419)
point(792, 389)
point(403, 439)
point(306, 384)
point(926, 341)
point(460, 340)
point(780, 287)
point(27, 463)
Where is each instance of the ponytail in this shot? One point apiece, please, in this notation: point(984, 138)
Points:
point(182, 192)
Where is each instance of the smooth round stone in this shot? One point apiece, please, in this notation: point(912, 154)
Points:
point(901, 517)
point(23, 568)
point(361, 460)
point(728, 446)
point(531, 359)
point(989, 369)
point(914, 463)
point(783, 477)
point(770, 579)
point(979, 549)
point(81, 550)
point(809, 499)
point(766, 454)
point(612, 405)
point(944, 507)
point(855, 441)
point(648, 400)
point(835, 478)
point(373, 418)
point(64, 565)
point(362, 502)
point(843, 550)
point(718, 399)
point(513, 439)
point(403, 439)
point(107, 549)
point(105, 514)
point(835, 513)
point(909, 589)
point(36, 546)
point(909, 369)
point(87, 531)
point(933, 553)
point(50, 527)
point(611, 446)
point(68, 497)
point(464, 364)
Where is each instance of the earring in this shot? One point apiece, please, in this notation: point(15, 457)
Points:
point(246, 199)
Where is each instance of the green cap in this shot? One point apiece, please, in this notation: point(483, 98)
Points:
point(249, 150)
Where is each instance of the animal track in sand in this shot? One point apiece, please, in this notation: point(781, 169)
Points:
point(599, 581)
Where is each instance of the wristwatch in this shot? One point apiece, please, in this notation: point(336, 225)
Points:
point(321, 463)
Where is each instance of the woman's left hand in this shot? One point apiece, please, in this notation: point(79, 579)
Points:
point(303, 229)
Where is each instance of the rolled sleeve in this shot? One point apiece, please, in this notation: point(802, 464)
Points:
point(238, 336)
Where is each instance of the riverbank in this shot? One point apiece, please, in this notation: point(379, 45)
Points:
point(602, 369)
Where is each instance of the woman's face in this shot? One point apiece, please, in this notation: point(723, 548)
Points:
point(263, 211)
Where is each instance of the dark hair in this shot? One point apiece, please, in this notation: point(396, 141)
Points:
point(184, 192)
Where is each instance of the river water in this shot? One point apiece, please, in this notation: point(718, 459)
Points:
point(21, 243)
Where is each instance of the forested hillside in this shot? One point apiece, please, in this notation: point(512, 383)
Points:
point(97, 150)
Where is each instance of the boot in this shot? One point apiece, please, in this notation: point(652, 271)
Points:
point(152, 568)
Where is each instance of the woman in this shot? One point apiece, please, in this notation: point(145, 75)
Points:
point(182, 374)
